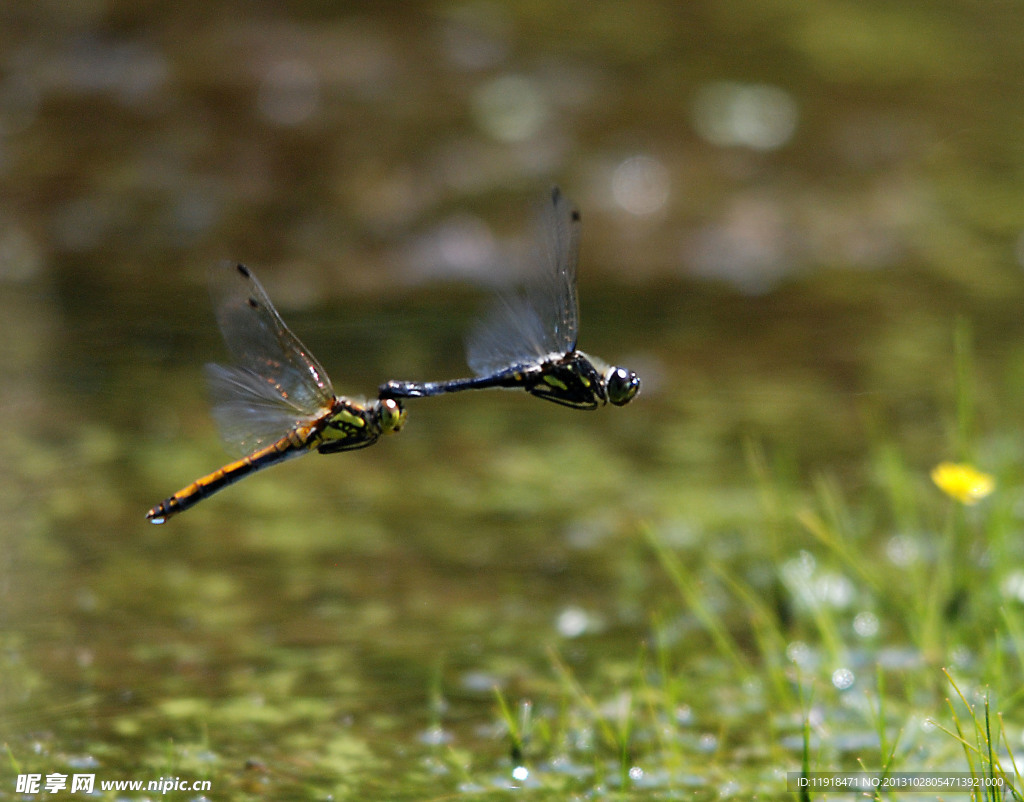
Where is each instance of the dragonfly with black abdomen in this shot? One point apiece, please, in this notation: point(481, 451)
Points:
point(528, 339)
point(276, 402)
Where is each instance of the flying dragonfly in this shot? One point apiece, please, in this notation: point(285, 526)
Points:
point(528, 339)
point(276, 402)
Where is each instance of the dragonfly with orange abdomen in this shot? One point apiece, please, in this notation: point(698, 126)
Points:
point(276, 402)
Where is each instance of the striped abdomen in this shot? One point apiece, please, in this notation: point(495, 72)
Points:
point(294, 444)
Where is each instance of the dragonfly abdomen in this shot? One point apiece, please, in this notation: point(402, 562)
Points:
point(296, 442)
point(570, 380)
point(406, 389)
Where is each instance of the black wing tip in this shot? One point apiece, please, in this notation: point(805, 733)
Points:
point(557, 198)
point(243, 270)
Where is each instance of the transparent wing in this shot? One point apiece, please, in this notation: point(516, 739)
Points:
point(542, 318)
point(276, 382)
point(555, 289)
point(249, 411)
point(511, 333)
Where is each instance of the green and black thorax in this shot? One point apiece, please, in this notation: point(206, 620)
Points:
point(351, 425)
point(571, 380)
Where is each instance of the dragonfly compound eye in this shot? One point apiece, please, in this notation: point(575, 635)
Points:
point(392, 416)
point(622, 386)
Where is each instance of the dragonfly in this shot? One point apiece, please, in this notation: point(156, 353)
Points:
point(276, 402)
point(528, 338)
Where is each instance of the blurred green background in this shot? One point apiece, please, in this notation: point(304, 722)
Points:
point(786, 208)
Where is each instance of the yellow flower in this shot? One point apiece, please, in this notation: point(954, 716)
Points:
point(965, 483)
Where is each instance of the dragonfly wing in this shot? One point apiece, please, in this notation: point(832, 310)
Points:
point(542, 319)
point(511, 333)
point(262, 344)
point(249, 411)
point(553, 290)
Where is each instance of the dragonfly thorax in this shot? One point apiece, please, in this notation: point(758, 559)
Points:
point(351, 424)
point(571, 380)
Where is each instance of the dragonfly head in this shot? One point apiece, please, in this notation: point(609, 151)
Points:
point(621, 385)
point(391, 415)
